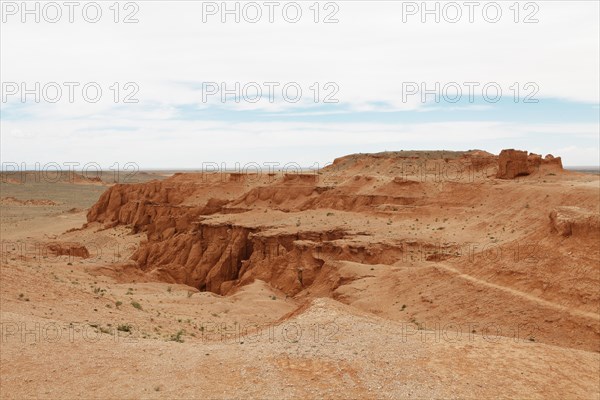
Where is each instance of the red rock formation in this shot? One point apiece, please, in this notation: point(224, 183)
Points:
point(67, 249)
point(550, 160)
point(574, 221)
point(184, 245)
point(514, 163)
point(217, 257)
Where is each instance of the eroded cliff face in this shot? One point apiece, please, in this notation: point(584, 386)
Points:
point(179, 248)
point(514, 163)
point(184, 246)
point(202, 256)
point(190, 240)
point(574, 221)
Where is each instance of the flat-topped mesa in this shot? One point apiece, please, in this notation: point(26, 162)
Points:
point(465, 164)
point(514, 163)
point(358, 159)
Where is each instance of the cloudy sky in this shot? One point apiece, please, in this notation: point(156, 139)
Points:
point(182, 82)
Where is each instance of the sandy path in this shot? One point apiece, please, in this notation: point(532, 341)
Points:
point(518, 293)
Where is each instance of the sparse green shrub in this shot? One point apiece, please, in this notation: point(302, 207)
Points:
point(177, 337)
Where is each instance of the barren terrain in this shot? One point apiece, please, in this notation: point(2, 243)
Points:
point(389, 275)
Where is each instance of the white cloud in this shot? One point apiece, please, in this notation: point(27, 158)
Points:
point(186, 144)
point(369, 54)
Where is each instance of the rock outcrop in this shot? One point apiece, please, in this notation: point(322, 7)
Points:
point(574, 221)
point(514, 163)
point(67, 249)
point(13, 201)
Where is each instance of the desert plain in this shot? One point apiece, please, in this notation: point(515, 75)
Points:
point(410, 274)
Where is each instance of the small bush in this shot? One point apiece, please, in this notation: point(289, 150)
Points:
point(177, 337)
